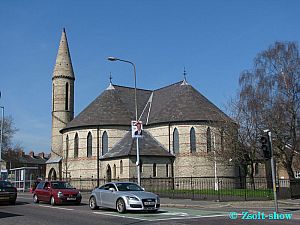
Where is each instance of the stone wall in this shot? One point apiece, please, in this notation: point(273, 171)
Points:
point(187, 163)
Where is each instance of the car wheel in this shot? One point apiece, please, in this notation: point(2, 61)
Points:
point(35, 199)
point(121, 208)
point(52, 201)
point(93, 203)
point(12, 202)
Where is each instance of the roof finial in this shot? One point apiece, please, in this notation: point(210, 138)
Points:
point(184, 82)
point(110, 86)
point(110, 78)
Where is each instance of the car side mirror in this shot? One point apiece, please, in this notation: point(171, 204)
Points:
point(111, 189)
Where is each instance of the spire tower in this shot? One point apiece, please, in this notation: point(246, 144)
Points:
point(62, 101)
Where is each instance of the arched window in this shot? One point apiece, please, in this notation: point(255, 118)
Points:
point(192, 140)
point(67, 97)
point(256, 169)
point(175, 141)
point(114, 171)
point(104, 143)
point(67, 146)
point(208, 140)
point(154, 170)
point(89, 145)
point(121, 167)
point(76, 143)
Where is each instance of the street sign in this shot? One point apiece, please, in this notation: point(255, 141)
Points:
point(136, 129)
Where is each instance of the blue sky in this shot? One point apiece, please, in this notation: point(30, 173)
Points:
point(214, 40)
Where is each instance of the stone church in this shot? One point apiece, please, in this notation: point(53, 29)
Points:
point(179, 130)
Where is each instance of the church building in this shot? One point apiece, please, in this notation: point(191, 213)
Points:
point(180, 130)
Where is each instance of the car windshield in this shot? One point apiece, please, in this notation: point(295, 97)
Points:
point(128, 187)
point(61, 185)
point(5, 184)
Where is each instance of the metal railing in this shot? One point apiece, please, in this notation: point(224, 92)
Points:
point(202, 188)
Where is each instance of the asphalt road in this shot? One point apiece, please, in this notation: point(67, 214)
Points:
point(27, 213)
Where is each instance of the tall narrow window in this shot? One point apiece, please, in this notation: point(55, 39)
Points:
point(76, 143)
point(53, 98)
point(222, 140)
point(121, 167)
point(167, 170)
point(154, 170)
point(104, 143)
point(141, 166)
point(67, 146)
point(67, 97)
point(114, 172)
point(89, 145)
point(192, 140)
point(208, 140)
point(175, 141)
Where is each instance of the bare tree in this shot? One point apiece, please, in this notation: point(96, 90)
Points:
point(8, 131)
point(269, 97)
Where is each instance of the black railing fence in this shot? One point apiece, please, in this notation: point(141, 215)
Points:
point(206, 188)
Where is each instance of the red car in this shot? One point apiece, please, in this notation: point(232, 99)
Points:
point(56, 192)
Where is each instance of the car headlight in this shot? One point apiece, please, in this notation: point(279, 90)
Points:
point(60, 194)
point(158, 200)
point(79, 194)
point(131, 198)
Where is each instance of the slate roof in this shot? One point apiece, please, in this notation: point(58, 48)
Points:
point(178, 102)
point(36, 160)
point(182, 102)
point(148, 146)
point(113, 107)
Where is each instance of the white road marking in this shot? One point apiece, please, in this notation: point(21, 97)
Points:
point(181, 216)
point(128, 217)
point(23, 197)
point(54, 207)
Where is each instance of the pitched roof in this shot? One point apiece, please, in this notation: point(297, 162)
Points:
point(182, 102)
point(113, 107)
point(178, 102)
point(36, 160)
point(127, 147)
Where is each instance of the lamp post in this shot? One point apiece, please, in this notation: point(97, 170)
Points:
point(215, 159)
point(111, 58)
point(1, 140)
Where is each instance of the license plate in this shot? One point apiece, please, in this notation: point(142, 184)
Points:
point(71, 199)
point(149, 203)
point(4, 197)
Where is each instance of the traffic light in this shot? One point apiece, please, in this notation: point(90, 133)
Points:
point(266, 146)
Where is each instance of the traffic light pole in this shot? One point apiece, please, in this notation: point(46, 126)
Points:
point(273, 171)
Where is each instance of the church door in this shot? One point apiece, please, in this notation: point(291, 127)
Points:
point(52, 174)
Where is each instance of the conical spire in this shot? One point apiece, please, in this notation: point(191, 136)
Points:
point(63, 65)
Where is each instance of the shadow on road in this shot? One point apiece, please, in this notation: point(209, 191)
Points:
point(5, 215)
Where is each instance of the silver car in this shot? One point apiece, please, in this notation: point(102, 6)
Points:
point(123, 196)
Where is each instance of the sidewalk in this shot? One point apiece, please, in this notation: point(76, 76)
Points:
point(188, 203)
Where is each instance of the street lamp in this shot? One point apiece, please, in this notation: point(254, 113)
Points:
point(1, 139)
point(111, 58)
point(215, 159)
